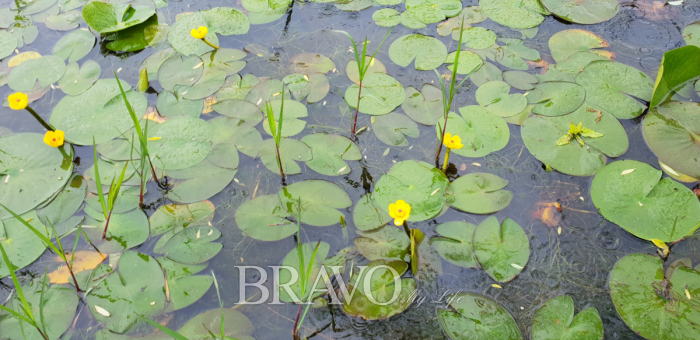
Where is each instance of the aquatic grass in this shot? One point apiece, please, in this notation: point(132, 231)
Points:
point(304, 274)
point(276, 130)
point(114, 188)
point(362, 67)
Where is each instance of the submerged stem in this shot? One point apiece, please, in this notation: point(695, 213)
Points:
point(104, 233)
point(357, 110)
point(447, 160)
point(41, 120)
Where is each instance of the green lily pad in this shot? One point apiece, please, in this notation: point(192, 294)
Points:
point(99, 112)
point(520, 80)
point(53, 306)
point(137, 290)
point(319, 202)
point(675, 174)
point(105, 17)
point(211, 81)
point(503, 251)
point(354, 5)
point(20, 243)
point(469, 15)
point(153, 63)
point(410, 21)
point(241, 109)
point(388, 242)
point(382, 288)
point(292, 111)
point(514, 13)
point(432, 11)
point(670, 131)
point(629, 194)
point(267, 90)
point(33, 6)
point(419, 184)
point(227, 60)
point(476, 37)
point(25, 34)
point(171, 216)
point(677, 68)
point(185, 141)
point(474, 316)
point(108, 171)
point(182, 41)
point(236, 325)
point(292, 260)
point(652, 304)
point(540, 135)
point(242, 134)
point(381, 94)
point(193, 245)
point(292, 151)
point(455, 243)
point(184, 287)
point(307, 63)
point(556, 98)
point(428, 52)
point(125, 231)
point(330, 153)
point(691, 34)
point(393, 128)
point(65, 21)
point(313, 86)
point(478, 193)
point(495, 96)
point(226, 21)
point(46, 70)
point(180, 70)
point(264, 219)
point(586, 12)
point(385, 17)
point(564, 44)
point(66, 203)
point(8, 43)
point(368, 216)
point(469, 62)
point(77, 79)
point(424, 107)
point(202, 187)
point(127, 200)
point(480, 131)
point(486, 73)
point(515, 54)
point(555, 320)
point(610, 84)
point(132, 38)
point(173, 105)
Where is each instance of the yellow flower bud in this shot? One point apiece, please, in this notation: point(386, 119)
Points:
point(452, 142)
point(199, 32)
point(399, 211)
point(18, 101)
point(54, 138)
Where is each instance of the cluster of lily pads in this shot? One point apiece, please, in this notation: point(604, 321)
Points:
point(569, 117)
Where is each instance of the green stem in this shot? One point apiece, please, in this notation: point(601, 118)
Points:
point(447, 160)
point(405, 228)
point(41, 120)
point(210, 44)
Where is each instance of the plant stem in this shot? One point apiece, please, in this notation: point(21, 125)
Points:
point(295, 331)
point(70, 269)
point(210, 44)
point(357, 110)
point(104, 233)
point(41, 120)
point(279, 161)
point(447, 160)
point(405, 228)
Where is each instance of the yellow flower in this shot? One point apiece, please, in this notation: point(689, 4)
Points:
point(452, 142)
point(199, 32)
point(54, 138)
point(18, 101)
point(399, 211)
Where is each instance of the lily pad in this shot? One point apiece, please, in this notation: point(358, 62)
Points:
point(184, 287)
point(236, 325)
point(242, 134)
point(388, 242)
point(313, 86)
point(586, 12)
point(330, 153)
point(385, 17)
point(417, 183)
point(368, 216)
point(267, 90)
point(630, 194)
point(46, 70)
point(65, 21)
point(486, 73)
point(20, 243)
point(77, 79)
point(125, 231)
point(8, 43)
point(241, 109)
point(153, 63)
point(503, 251)
point(393, 128)
point(211, 81)
point(469, 62)
point(292, 151)
point(555, 320)
point(610, 84)
point(99, 112)
point(203, 186)
point(540, 135)
point(66, 203)
point(226, 21)
point(428, 52)
point(31, 172)
point(319, 202)
point(180, 70)
point(514, 13)
point(455, 243)
point(263, 218)
point(185, 141)
point(691, 34)
point(173, 105)
point(564, 44)
point(469, 15)
point(670, 132)
point(480, 131)
point(495, 96)
point(292, 111)
point(193, 245)
point(106, 17)
point(476, 37)
point(383, 286)
point(474, 316)
point(381, 94)
point(424, 107)
point(520, 80)
point(409, 20)
point(307, 63)
point(137, 290)
point(514, 54)
point(182, 41)
point(652, 304)
point(478, 193)
point(556, 98)
point(171, 216)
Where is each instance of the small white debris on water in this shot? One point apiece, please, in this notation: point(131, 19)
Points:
point(477, 164)
point(102, 311)
point(386, 152)
point(7, 179)
point(342, 169)
point(324, 102)
point(60, 178)
point(198, 65)
point(687, 294)
point(199, 233)
point(153, 303)
point(259, 101)
point(306, 77)
point(236, 180)
point(640, 204)
point(210, 231)
point(628, 171)
point(496, 286)
point(21, 170)
point(559, 230)
point(516, 266)
point(393, 161)
point(581, 198)
point(434, 192)
point(335, 70)
point(522, 308)
point(119, 70)
point(53, 87)
point(184, 93)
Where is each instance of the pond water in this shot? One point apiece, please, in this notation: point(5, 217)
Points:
point(572, 251)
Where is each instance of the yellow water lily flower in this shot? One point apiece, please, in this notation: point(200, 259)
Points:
point(452, 142)
point(54, 138)
point(199, 32)
point(399, 211)
point(18, 101)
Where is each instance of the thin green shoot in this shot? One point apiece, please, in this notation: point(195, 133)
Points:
point(221, 304)
point(114, 188)
point(276, 129)
point(362, 67)
point(304, 273)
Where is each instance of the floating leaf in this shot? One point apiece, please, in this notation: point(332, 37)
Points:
point(185, 141)
point(46, 70)
point(468, 15)
point(555, 320)
point(292, 261)
point(477, 316)
point(495, 96)
point(241, 109)
point(413, 182)
point(184, 288)
point(8, 43)
point(313, 86)
point(292, 151)
point(264, 219)
point(105, 17)
point(455, 243)
point(691, 34)
point(180, 70)
point(368, 216)
point(375, 66)
point(469, 62)
point(385, 17)
point(236, 325)
point(65, 21)
point(171, 216)
point(330, 153)
point(388, 242)
point(81, 261)
point(153, 63)
point(424, 107)
point(409, 20)
point(125, 231)
point(202, 181)
point(193, 245)
point(267, 90)
point(514, 13)
point(480, 131)
point(566, 43)
point(478, 193)
point(173, 105)
point(319, 201)
point(556, 98)
point(502, 250)
point(476, 37)
point(77, 79)
point(20, 243)
point(670, 131)
point(583, 12)
point(211, 81)
point(644, 206)
point(514, 54)
point(393, 128)
point(242, 134)
point(382, 287)
point(486, 73)
point(66, 203)
point(381, 94)
point(428, 52)
point(520, 80)
point(307, 63)
point(292, 110)
point(677, 67)
point(226, 21)
point(181, 40)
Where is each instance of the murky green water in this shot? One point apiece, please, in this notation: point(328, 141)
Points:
point(576, 262)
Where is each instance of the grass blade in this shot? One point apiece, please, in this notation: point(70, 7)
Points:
point(20, 293)
point(100, 194)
